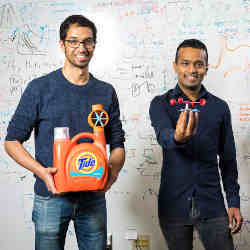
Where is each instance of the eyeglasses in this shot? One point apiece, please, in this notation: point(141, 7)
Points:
point(88, 43)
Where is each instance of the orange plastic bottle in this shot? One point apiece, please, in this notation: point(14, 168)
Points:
point(82, 167)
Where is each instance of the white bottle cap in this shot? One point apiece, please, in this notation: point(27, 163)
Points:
point(61, 133)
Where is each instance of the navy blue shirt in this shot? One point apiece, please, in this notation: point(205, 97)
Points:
point(191, 169)
point(52, 101)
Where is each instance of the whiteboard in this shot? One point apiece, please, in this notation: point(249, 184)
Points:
point(137, 40)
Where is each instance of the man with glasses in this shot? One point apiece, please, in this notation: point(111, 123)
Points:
point(64, 98)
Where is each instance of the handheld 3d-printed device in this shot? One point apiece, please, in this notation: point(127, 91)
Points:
point(202, 102)
point(82, 166)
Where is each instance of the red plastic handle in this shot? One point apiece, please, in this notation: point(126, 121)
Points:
point(82, 135)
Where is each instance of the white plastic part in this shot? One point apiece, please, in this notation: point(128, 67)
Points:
point(61, 133)
point(131, 234)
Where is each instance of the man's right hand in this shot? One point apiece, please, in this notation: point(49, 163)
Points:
point(184, 131)
point(48, 179)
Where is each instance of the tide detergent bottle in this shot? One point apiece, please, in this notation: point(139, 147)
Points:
point(82, 166)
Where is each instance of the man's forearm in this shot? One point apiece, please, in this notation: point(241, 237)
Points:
point(18, 153)
point(117, 158)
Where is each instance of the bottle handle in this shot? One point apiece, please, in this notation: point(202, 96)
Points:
point(92, 136)
point(82, 135)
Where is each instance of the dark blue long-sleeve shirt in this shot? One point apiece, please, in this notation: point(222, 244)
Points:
point(191, 169)
point(51, 101)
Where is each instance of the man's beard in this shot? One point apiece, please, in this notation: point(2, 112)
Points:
point(80, 66)
point(192, 88)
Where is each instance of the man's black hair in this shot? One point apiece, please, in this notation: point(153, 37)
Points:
point(192, 43)
point(79, 20)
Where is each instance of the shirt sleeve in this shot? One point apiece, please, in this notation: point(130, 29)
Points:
point(114, 133)
point(228, 163)
point(162, 124)
point(24, 118)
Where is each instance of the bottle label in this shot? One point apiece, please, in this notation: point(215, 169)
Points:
point(86, 164)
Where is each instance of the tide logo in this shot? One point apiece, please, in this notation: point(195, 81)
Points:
point(86, 162)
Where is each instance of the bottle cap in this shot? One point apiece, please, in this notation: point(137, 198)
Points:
point(61, 133)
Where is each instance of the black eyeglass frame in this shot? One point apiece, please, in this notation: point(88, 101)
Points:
point(88, 43)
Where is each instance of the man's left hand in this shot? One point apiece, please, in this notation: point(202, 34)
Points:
point(235, 219)
point(112, 176)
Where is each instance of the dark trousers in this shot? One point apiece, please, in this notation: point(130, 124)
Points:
point(214, 233)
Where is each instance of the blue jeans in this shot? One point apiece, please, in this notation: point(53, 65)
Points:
point(51, 216)
point(214, 233)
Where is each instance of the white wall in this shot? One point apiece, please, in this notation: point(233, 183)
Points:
point(137, 40)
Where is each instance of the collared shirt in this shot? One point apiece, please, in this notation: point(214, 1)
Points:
point(192, 169)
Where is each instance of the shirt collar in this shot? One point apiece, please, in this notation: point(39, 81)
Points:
point(178, 92)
